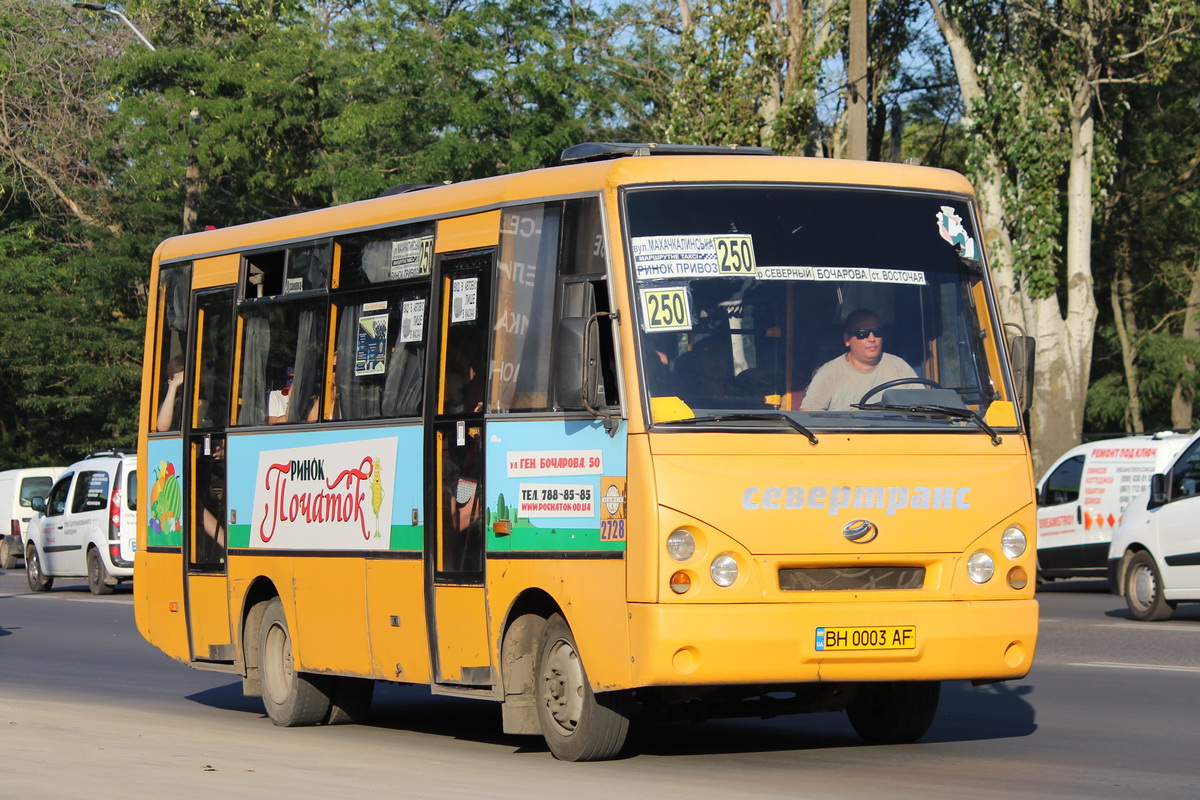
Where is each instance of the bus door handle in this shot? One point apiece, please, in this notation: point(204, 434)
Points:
point(1078, 514)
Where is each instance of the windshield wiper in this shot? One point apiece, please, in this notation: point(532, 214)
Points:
point(930, 408)
point(756, 416)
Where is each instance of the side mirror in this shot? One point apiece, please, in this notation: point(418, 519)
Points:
point(1020, 356)
point(1158, 490)
point(38, 504)
point(575, 381)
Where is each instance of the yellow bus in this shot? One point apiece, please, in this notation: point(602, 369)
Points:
point(663, 430)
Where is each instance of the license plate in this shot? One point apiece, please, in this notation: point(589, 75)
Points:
point(884, 637)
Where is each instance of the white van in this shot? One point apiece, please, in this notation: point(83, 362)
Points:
point(18, 487)
point(1083, 496)
point(87, 528)
point(1154, 558)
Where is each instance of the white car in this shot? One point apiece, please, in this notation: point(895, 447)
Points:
point(1083, 496)
point(1154, 558)
point(87, 526)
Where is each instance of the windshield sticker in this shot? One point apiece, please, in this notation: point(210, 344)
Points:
point(665, 257)
point(912, 277)
point(951, 228)
point(666, 309)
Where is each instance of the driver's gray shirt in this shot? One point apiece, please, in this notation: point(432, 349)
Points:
point(836, 384)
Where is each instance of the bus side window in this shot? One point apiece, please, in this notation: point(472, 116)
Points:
point(525, 282)
point(544, 247)
point(282, 362)
point(379, 356)
point(174, 292)
point(582, 267)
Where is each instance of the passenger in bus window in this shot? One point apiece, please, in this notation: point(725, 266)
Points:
point(840, 383)
point(210, 474)
point(172, 403)
point(277, 403)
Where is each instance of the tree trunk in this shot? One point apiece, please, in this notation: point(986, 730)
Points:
point(1065, 344)
point(1121, 292)
point(1184, 396)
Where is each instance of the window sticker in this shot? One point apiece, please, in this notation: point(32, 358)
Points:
point(666, 309)
point(464, 296)
point(702, 256)
point(951, 228)
point(370, 354)
point(412, 321)
point(911, 277)
point(412, 258)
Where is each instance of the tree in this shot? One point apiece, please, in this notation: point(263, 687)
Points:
point(1031, 76)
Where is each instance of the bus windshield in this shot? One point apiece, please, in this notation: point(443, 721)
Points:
point(844, 308)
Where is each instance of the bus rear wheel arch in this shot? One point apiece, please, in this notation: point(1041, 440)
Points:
point(577, 723)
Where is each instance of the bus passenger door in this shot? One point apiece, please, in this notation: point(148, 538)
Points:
point(204, 543)
point(454, 501)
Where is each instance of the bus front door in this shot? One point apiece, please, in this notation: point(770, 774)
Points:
point(455, 543)
point(207, 414)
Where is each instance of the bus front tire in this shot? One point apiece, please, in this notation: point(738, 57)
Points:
point(97, 574)
point(577, 724)
point(38, 580)
point(894, 713)
point(291, 698)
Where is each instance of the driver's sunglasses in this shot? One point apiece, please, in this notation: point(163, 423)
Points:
point(863, 333)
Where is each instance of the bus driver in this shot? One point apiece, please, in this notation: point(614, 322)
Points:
point(844, 380)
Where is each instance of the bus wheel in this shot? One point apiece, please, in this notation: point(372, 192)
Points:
point(578, 725)
point(8, 558)
point(1144, 590)
point(291, 698)
point(97, 577)
point(894, 713)
point(351, 700)
point(38, 580)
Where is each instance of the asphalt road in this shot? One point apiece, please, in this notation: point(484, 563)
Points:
point(87, 708)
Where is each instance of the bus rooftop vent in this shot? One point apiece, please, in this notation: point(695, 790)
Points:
point(405, 188)
point(598, 151)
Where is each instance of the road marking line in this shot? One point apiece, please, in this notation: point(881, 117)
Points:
point(78, 599)
point(1147, 626)
point(1116, 665)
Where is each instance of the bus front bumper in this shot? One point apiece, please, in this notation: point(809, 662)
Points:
point(702, 644)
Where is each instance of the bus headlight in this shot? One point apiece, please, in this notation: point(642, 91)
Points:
point(981, 566)
point(681, 545)
point(724, 570)
point(1013, 542)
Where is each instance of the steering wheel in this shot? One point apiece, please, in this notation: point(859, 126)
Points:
point(898, 382)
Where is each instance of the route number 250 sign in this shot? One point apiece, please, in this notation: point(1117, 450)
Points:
point(666, 309)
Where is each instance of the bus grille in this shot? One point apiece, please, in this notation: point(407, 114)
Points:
point(833, 579)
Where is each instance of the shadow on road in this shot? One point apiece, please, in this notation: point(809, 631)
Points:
point(966, 713)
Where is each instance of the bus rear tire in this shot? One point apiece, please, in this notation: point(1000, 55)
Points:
point(577, 724)
point(291, 698)
point(894, 713)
